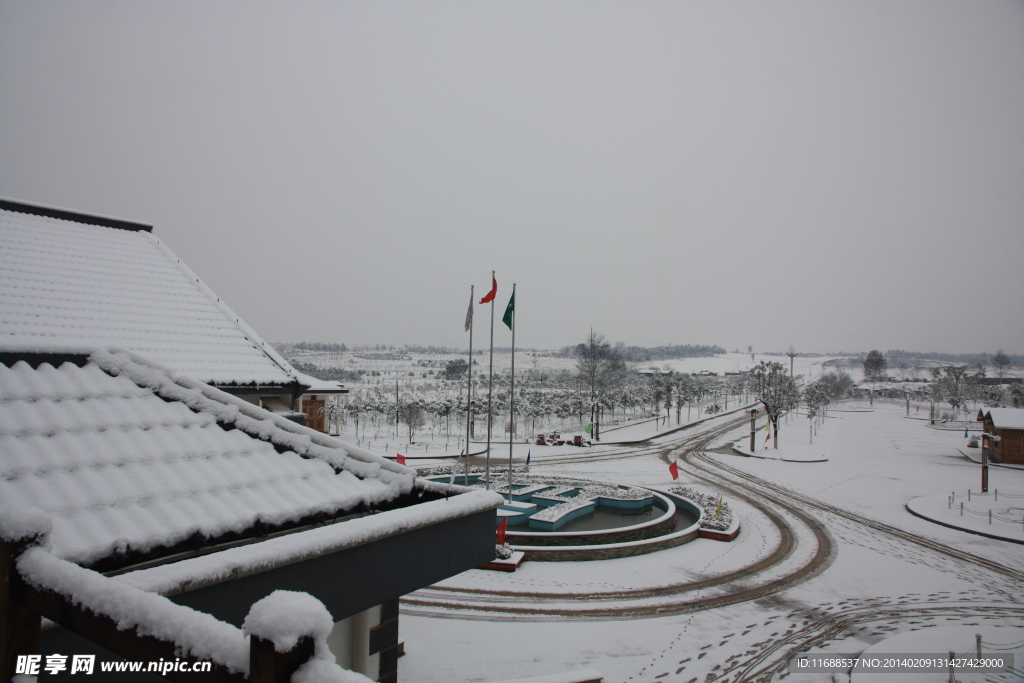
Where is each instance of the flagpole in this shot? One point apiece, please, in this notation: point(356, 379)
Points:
point(512, 396)
point(469, 392)
point(490, 385)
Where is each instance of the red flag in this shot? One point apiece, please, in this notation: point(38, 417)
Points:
point(400, 459)
point(674, 470)
point(489, 297)
point(501, 530)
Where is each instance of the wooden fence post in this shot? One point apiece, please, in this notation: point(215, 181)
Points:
point(267, 665)
point(284, 629)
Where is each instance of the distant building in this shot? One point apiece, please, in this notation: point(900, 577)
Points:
point(998, 381)
point(1008, 424)
point(313, 403)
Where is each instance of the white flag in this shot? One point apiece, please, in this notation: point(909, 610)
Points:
point(469, 314)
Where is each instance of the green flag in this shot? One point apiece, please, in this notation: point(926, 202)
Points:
point(509, 310)
point(590, 428)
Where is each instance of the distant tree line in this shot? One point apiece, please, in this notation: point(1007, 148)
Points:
point(970, 358)
point(644, 354)
point(329, 374)
point(431, 349)
point(320, 346)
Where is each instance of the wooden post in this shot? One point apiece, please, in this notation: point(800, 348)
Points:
point(19, 626)
point(984, 461)
point(384, 642)
point(267, 665)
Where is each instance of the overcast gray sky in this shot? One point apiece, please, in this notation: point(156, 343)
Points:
point(832, 175)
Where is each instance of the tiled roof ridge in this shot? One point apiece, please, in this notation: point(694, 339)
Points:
point(251, 334)
point(252, 420)
point(59, 213)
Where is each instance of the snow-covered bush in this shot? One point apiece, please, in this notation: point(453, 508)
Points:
point(709, 504)
point(587, 489)
point(554, 512)
point(459, 469)
point(502, 552)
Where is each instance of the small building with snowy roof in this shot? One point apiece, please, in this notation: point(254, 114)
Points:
point(73, 279)
point(1008, 425)
point(166, 485)
point(314, 402)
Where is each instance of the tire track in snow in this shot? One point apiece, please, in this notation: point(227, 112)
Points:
point(484, 604)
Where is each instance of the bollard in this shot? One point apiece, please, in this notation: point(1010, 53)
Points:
point(997, 494)
point(989, 516)
point(968, 495)
point(961, 509)
point(950, 501)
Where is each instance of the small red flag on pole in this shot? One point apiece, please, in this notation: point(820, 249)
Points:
point(674, 470)
point(400, 459)
point(501, 531)
point(489, 297)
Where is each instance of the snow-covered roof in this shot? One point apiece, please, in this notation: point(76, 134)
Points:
point(320, 386)
point(78, 281)
point(131, 460)
point(1005, 418)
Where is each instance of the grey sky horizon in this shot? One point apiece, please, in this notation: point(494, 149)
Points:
point(828, 175)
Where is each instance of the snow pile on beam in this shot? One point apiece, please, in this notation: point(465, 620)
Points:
point(197, 634)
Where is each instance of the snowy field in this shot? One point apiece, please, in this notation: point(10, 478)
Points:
point(418, 368)
point(415, 373)
point(871, 570)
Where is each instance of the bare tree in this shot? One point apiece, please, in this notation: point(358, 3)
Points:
point(955, 385)
point(1001, 362)
point(875, 366)
point(413, 417)
point(836, 384)
point(775, 389)
point(599, 365)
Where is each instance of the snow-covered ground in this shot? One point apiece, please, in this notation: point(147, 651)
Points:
point(885, 572)
point(415, 367)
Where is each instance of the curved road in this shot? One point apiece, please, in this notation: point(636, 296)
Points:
point(784, 508)
point(447, 602)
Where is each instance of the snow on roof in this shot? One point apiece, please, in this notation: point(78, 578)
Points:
point(198, 572)
point(320, 386)
point(66, 282)
point(1006, 418)
point(126, 457)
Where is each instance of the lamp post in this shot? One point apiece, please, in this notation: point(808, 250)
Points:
point(753, 428)
point(986, 439)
